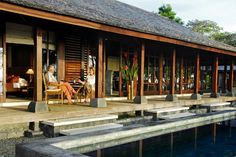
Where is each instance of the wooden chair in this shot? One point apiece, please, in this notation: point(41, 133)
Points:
point(56, 91)
point(80, 94)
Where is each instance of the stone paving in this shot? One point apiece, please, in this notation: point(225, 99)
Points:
point(7, 146)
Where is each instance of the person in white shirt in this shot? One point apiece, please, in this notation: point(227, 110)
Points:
point(89, 84)
point(68, 90)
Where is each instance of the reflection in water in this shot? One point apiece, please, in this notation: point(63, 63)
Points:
point(207, 141)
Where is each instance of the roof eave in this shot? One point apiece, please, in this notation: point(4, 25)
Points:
point(9, 7)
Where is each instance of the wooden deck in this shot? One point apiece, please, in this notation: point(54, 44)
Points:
point(19, 114)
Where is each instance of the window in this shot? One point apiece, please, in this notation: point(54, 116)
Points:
point(49, 50)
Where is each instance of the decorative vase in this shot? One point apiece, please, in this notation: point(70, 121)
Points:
point(130, 94)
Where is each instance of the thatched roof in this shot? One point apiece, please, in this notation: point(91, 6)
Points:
point(118, 14)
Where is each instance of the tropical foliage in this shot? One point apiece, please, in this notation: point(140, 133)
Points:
point(129, 68)
point(166, 11)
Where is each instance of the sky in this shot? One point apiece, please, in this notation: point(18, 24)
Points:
point(223, 12)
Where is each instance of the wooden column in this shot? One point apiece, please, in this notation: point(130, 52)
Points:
point(160, 73)
point(38, 66)
point(181, 75)
point(231, 76)
point(4, 46)
point(141, 71)
point(225, 78)
point(99, 90)
point(173, 63)
point(197, 73)
point(120, 74)
point(215, 77)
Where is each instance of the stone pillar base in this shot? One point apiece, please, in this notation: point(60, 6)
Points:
point(140, 100)
point(196, 96)
point(98, 102)
point(171, 97)
point(37, 106)
point(215, 95)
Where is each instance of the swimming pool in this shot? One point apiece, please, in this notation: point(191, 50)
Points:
point(205, 141)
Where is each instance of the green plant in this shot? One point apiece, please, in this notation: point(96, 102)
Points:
point(129, 68)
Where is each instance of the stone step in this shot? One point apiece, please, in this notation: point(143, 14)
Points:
point(90, 129)
point(51, 128)
point(224, 109)
point(70, 121)
point(165, 111)
point(220, 104)
point(211, 106)
point(177, 115)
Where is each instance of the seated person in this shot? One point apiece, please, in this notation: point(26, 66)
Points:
point(89, 84)
point(66, 87)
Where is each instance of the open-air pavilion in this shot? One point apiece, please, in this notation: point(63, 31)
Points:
point(75, 35)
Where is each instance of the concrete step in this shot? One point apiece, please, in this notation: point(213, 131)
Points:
point(177, 115)
point(51, 128)
point(70, 121)
point(165, 111)
point(224, 109)
point(90, 129)
point(211, 106)
point(220, 104)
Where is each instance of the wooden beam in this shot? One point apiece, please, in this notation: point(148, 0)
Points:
point(141, 71)
point(98, 26)
point(197, 73)
point(181, 80)
point(160, 72)
point(173, 62)
point(38, 66)
point(231, 75)
point(215, 75)
point(99, 90)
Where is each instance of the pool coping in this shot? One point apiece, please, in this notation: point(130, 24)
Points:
point(58, 146)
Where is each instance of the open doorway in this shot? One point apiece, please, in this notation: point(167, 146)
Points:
point(112, 68)
point(19, 72)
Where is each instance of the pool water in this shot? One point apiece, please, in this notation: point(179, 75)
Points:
point(198, 142)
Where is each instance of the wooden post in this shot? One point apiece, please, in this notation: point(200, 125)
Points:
point(232, 76)
point(197, 73)
point(215, 77)
point(181, 75)
point(38, 69)
point(173, 68)
point(140, 99)
point(140, 148)
point(141, 73)
point(172, 96)
point(99, 100)
point(4, 46)
point(120, 74)
point(195, 138)
point(225, 78)
point(160, 72)
point(99, 92)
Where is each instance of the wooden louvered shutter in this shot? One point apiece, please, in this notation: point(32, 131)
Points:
point(77, 51)
point(73, 57)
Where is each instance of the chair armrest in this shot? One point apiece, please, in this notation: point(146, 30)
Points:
point(55, 84)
